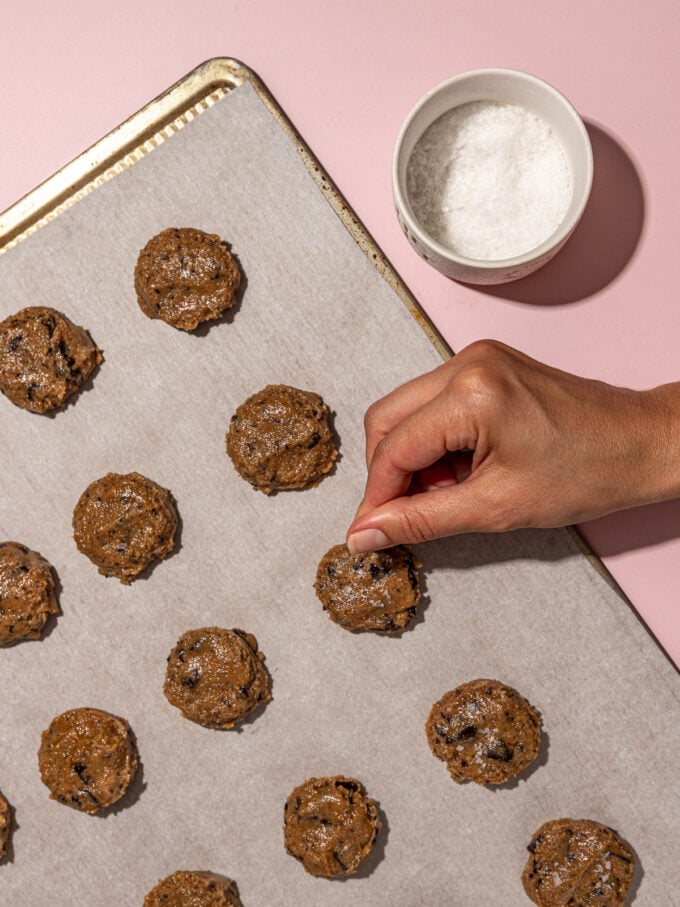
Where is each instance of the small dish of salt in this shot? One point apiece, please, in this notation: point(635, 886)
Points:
point(492, 171)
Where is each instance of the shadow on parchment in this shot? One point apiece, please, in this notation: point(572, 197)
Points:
point(476, 549)
point(603, 242)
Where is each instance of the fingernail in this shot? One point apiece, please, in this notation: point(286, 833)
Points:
point(367, 540)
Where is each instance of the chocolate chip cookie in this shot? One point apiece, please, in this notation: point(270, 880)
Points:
point(216, 677)
point(377, 591)
point(330, 825)
point(484, 731)
point(193, 889)
point(123, 523)
point(578, 863)
point(27, 596)
point(44, 358)
point(280, 438)
point(87, 759)
point(185, 277)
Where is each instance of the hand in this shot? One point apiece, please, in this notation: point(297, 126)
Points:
point(493, 440)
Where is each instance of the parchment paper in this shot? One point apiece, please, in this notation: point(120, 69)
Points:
point(525, 608)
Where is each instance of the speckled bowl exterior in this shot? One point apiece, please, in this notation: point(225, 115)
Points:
point(503, 86)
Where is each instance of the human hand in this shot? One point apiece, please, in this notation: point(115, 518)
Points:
point(493, 440)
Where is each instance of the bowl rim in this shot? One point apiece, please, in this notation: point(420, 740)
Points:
point(555, 240)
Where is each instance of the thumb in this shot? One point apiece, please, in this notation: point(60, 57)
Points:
point(450, 510)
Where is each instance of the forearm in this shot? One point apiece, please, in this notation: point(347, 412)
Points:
point(662, 469)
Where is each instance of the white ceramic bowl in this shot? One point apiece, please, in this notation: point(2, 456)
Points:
point(504, 86)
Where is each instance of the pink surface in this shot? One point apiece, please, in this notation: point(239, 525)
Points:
point(347, 74)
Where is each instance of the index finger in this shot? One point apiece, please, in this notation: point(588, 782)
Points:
point(385, 414)
point(415, 443)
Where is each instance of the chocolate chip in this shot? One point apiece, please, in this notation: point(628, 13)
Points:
point(80, 769)
point(192, 679)
point(349, 785)
point(499, 751)
point(87, 793)
point(336, 855)
point(618, 856)
point(412, 576)
point(48, 322)
point(532, 847)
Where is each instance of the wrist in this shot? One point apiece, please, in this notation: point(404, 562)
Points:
point(661, 465)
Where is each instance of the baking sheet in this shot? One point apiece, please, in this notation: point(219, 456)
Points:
point(525, 608)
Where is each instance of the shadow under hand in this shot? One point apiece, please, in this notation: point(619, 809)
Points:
point(604, 241)
point(472, 550)
point(630, 530)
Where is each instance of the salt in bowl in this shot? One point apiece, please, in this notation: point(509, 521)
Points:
point(496, 87)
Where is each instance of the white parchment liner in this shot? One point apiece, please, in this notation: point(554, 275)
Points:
point(524, 608)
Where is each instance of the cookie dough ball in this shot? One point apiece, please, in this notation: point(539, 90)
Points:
point(185, 277)
point(280, 438)
point(5, 825)
point(578, 863)
point(484, 731)
point(193, 889)
point(87, 759)
point(330, 825)
point(216, 677)
point(123, 523)
point(44, 358)
point(377, 591)
point(27, 596)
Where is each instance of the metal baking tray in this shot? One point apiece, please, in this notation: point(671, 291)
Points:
point(485, 569)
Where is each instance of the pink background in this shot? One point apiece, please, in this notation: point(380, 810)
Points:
point(347, 73)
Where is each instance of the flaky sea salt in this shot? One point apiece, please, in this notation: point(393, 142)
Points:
point(489, 181)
